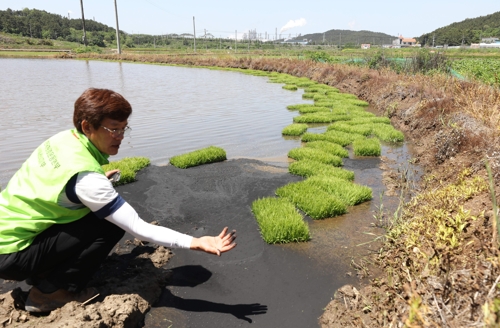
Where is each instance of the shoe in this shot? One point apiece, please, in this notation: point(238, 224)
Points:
point(40, 302)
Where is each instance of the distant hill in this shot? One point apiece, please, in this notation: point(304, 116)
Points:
point(347, 37)
point(467, 31)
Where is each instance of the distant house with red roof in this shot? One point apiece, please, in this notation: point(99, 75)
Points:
point(404, 42)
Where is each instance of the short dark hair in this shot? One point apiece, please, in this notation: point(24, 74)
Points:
point(94, 105)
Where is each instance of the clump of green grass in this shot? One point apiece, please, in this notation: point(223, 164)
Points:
point(128, 167)
point(349, 192)
point(279, 221)
point(295, 129)
point(367, 147)
point(198, 157)
point(291, 87)
point(316, 155)
point(308, 96)
point(361, 114)
point(312, 201)
point(320, 117)
point(329, 147)
point(308, 168)
point(387, 133)
point(338, 137)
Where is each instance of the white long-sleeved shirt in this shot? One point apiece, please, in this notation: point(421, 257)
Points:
point(96, 192)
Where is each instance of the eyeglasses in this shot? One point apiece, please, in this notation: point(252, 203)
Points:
point(117, 133)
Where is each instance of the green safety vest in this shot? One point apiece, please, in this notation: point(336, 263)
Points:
point(28, 205)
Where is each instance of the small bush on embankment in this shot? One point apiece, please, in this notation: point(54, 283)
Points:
point(128, 167)
point(307, 168)
point(295, 129)
point(313, 201)
point(279, 221)
point(198, 157)
point(315, 154)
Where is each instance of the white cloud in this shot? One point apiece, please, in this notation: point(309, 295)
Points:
point(352, 24)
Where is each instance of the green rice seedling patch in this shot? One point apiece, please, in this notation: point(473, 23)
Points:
point(298, 106)
point(291, 87)
point(311, 200)
point(308, 96)
point(358, 102)
point(364, 129)
point(367, 147)
point(369, 120)
point(128, 167)
point(387, 133)
point(328, 147)
point(342, 96)
point(360, 113)
point(315, 154)
point(308, 168)
point(320, 117)
point(305, 84)
point(349, 192)
point(338, 137)
point(319, 88)
point(313, 109)
point(198, 157)
point(295, 129)
point(279, 221)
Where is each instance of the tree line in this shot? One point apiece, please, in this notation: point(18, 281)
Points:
point(469, 31)
point(40, 24)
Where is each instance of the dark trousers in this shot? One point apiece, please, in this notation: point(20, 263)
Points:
point(63, 256)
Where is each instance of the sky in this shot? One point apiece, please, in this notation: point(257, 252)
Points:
point(225, 19)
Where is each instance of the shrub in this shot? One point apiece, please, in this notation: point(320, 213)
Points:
point(308, 168)
point(294, 129)
point(128, 167)
point(198, 157)
point(311, 200)
point(279, 221)
point(329, 147)
point(316, 155)
point(367, 147)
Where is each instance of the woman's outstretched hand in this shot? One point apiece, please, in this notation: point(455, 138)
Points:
point(215, 244)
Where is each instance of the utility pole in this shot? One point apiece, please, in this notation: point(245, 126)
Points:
point(235, 39)
point(194, 36)
point(119, 49)
point(340, 41)
point(433, 39)
point(83, 21)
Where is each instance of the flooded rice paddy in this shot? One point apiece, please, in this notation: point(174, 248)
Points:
point(179, 109)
